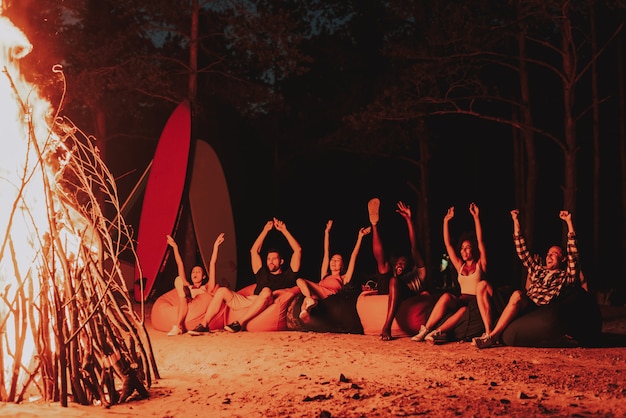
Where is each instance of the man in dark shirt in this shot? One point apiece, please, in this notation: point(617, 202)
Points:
point(272, 279)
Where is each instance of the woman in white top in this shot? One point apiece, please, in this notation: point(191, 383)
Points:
point(187, 290)
point(471, 265)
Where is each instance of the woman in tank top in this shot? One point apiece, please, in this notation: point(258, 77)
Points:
point(471, 265)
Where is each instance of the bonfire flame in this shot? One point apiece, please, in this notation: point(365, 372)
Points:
point(67, 327)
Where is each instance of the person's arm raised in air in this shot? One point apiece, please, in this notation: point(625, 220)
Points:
point(216, 245)
point(296, 257)
point(521, 249)
point(516, 227)
point(179, 261)
point(418, 260)
point(255, 251)
point(454, 257)
point(357, 246)
point(479, 236)
point(567, 217)
point(573, 266)
point(326, 256)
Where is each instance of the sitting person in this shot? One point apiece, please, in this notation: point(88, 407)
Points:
point(187, 291)
point(397, 277)
point(471, 267)
point(271, 279)
point(332, 278)
point(546, 282)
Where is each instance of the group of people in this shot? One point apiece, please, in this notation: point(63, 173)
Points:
point(399, 277)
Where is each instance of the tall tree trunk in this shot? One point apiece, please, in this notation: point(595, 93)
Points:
point(423, 220)
point(622, 153)
point(568, 51)
point(191, 245)
point(193, 54)
point(596, 136)
point(528, 140)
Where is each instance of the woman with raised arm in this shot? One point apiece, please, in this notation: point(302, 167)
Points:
point(332, 276)
point(199, 284)
point(471, 264)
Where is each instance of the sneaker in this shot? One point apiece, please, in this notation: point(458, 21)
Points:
point(436, 337)
point(373, 207)
point(201, 328)
point(308, 304)
point(233, 327)
point(484, 341)
point(473, 342)
point(419, 337)
point(176, 330)
point(305, 316)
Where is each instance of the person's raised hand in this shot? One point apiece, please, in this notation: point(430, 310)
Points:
point(449, 214)
point(268, 226)
point(404, 210)
point(365, 230)
point(279, 225)
point(219, 240)
point(473, 208)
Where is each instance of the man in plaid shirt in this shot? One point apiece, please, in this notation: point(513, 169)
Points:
point(545, 281)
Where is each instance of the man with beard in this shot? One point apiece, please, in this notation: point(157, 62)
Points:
point(271, 280)
point(546, 283)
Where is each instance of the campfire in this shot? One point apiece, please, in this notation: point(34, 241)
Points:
point(68, 331)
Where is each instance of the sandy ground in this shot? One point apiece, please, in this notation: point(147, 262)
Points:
point(300, 374)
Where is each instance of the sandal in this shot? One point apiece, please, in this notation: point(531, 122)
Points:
point(386, 337)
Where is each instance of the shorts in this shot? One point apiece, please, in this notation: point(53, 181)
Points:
point(465, 299)
point(239, 301)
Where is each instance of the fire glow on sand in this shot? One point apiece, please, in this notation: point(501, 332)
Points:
point(67, 327)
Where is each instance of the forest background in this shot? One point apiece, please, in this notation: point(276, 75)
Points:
point(316, 106)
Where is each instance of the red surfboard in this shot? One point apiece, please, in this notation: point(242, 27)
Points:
point(212, 213)
point(162, 198)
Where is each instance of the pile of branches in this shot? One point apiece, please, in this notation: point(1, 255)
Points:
point(71, 306)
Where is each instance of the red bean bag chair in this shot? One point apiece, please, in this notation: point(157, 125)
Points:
point(165, 310)
point(273, 318)
point(412, 313)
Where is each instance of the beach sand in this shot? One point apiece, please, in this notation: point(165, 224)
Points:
point(307, 374)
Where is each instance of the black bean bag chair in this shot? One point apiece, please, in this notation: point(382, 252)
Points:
point(469, 326)
point(471, 323)
point(337, 313)
point(573, 319)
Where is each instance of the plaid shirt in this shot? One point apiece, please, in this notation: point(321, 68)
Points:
point(545, 285)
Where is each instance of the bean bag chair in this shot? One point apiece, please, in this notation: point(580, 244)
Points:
point(573, 319)
point(412, 312)
point(336, 314)
point(273, 318)
point(165, 310)
point(471, 323)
